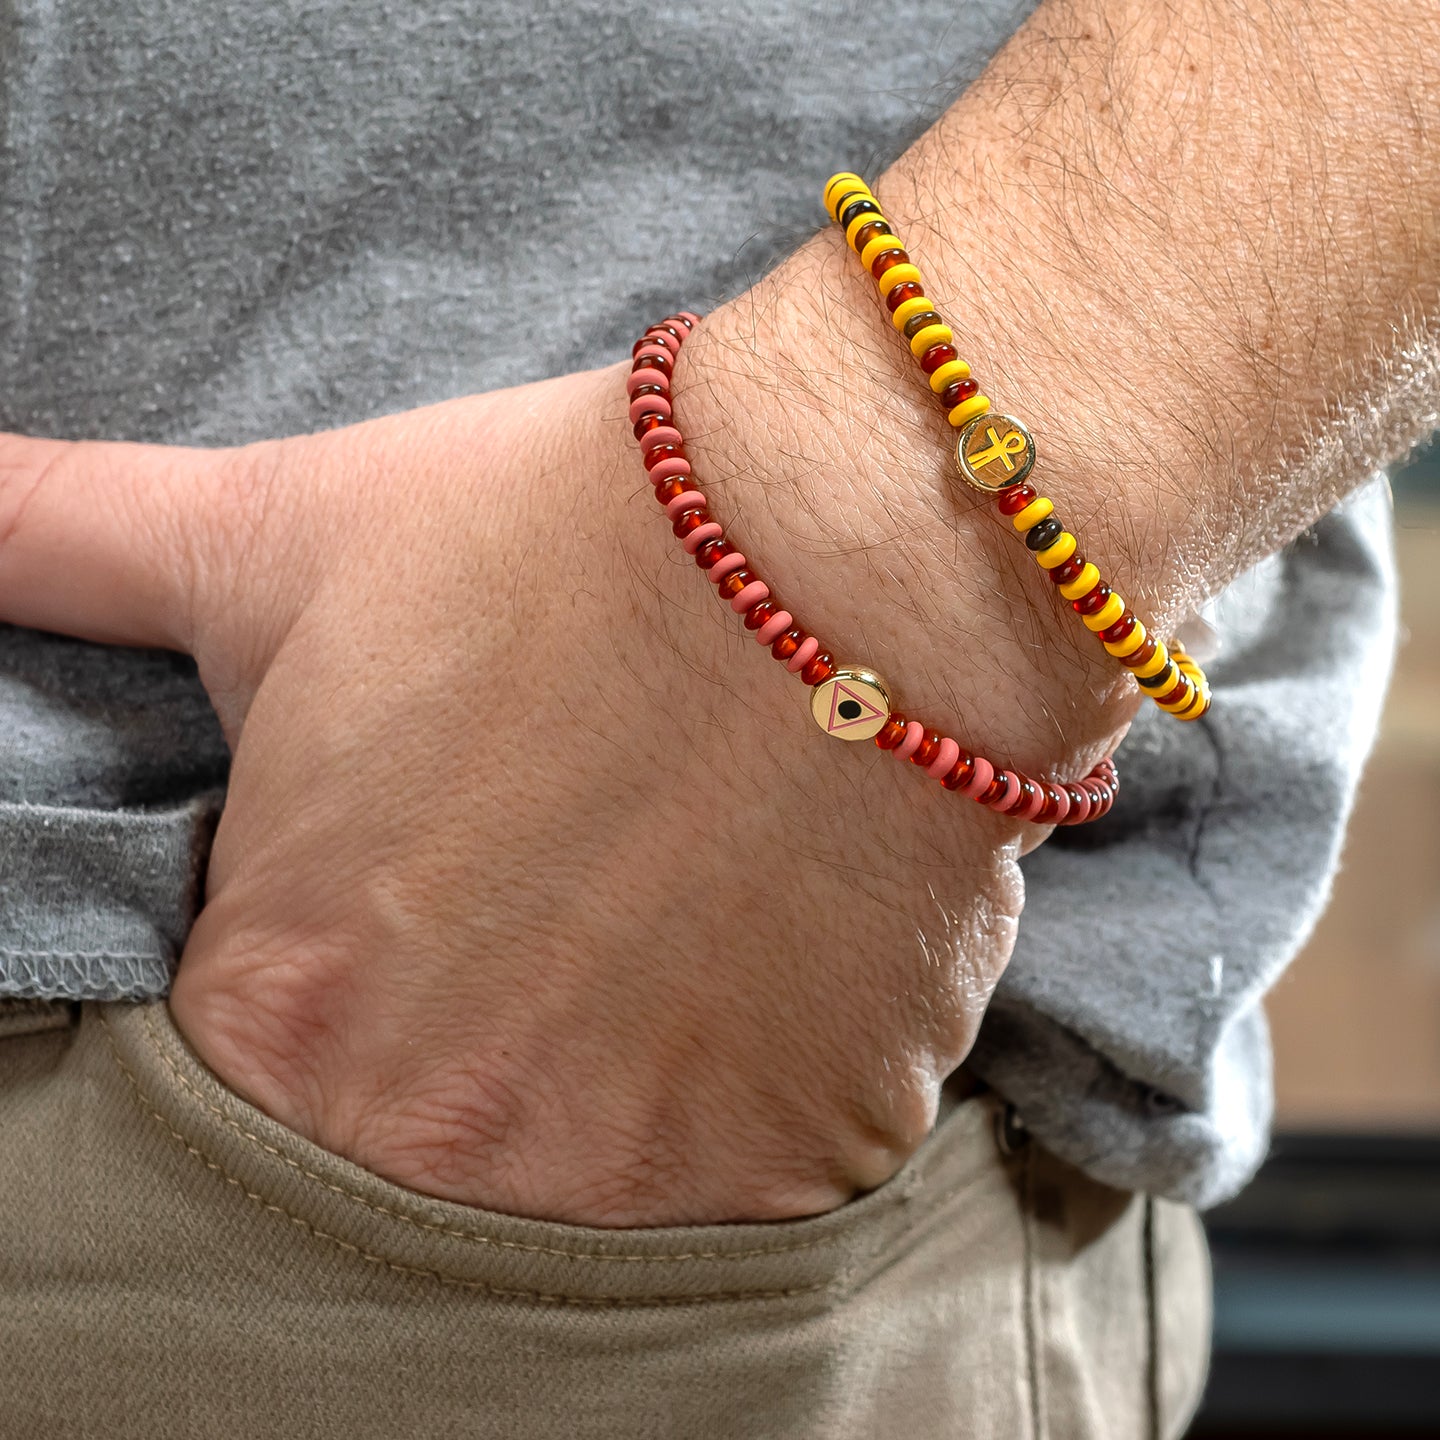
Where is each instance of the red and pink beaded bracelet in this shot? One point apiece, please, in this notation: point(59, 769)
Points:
point(849, 702)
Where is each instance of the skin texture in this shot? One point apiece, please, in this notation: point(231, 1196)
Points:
point(536, 887)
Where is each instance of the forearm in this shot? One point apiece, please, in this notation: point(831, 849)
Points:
point(1194, 248)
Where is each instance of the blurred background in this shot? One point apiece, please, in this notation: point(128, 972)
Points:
point(1327, 1269)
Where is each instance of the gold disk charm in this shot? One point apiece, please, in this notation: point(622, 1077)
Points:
point(851, 704)
point(994, 452)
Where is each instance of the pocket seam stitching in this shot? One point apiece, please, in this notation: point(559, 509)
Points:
point(463, 1235)
point(604, 1302)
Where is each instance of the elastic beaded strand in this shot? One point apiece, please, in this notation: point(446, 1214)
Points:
point(853, 206)
point(737, 584)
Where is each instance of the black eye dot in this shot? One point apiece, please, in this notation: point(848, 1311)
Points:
point(849, 709)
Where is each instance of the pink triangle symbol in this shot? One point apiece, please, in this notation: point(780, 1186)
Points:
point(868, 710)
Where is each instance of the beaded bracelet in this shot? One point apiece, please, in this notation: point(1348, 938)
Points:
point(849, 702)
point(998, 446)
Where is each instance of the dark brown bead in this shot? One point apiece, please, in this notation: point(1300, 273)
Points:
point(863, 206)
point(1161, 680)
point(820, 668)
point(927, 749)
point(734, 583)
point(788, 643)
point(887, 260)
point(1139, 657)
point(688, 520)
point(916, 323)
point(711, 551)
point(1044, 534)
point(1092, 602)
point(901, 293)
point(958, 391)
point(757, 615)
point(936, 356)
point(892, 732)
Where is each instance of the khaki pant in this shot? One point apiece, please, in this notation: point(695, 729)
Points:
point(173, 1263)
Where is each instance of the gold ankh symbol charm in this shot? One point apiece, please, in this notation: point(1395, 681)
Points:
point(988, 438)
point(1013, 443)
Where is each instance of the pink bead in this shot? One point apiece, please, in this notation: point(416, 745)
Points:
point(710, 530)
point(660, 337)
point(945, 758)
point(1007, 795)
point(689, 315)
point(979, 782)
point(809, 648)
point(724, 565)
point(686, 500)
point(914, 734)
point(752, 594)
point(669, 468)
point(660, 435)
point(648, 405)
point(774, 627)
point(636, 378)
point(1063, 809)
point(1034, 805)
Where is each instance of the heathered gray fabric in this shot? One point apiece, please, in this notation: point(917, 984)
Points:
point(220, 223)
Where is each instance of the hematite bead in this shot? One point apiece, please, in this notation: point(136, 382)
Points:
point(1161, 679)
point(1046, 533)
point(863, 206)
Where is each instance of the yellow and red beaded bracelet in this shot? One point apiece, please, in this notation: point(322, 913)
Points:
point(996, 453)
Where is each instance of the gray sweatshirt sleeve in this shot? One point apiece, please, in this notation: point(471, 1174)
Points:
point(1137, 1047)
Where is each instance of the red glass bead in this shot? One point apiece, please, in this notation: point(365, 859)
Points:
point(1091, 602)
point(960, 775)
point(757, 615)
point(886, 259)
point(653, 457)
point(688, 520)
point(788, 643)
point(958, 390)
point(936, 356)
point(820, 668)
point(901, 293)
point(1068, 570)
point(993, 791)
point(866, 233)
point(1137, 658)
point(668, 490)
point(735, 582)
point(711, 550)
point(648, 338)
point(927, 749)
point(1182, 688)
point(1023, 797)
point(665, 364)
point(1120, 629)
point(649, 390)
point(1051, 808)
point(892, 732)
point(664, 327)
point(1014, 499)
point(651, 420)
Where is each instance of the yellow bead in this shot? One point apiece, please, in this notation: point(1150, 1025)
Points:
point(1082, 584)
point(1155, 664)
point(907, 310)
point(1129, 645)
point(1106, 615)
point(900, 275)
point(1058, 553)
point(947, 374)
point(967, 410)
point(1033, 513)
point(1196, 710)
point(850, 180)
point(867, 217)
point(922, 340)
point(878, 246)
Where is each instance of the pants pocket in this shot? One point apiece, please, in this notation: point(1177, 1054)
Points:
point(202, 1268)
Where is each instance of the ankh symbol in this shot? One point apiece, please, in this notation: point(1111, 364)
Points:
point(1014, 443)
